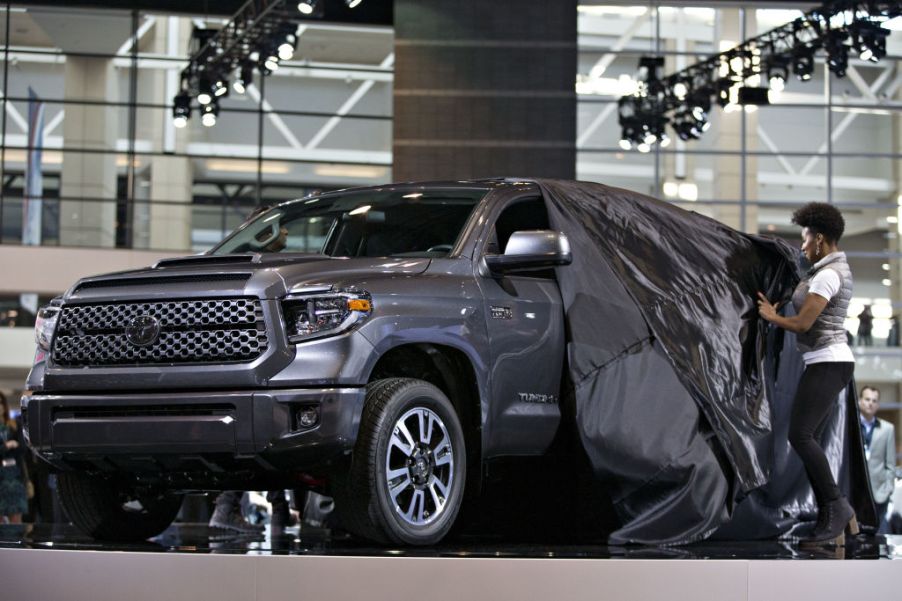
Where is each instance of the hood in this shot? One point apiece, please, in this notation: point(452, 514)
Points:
point(264, 275)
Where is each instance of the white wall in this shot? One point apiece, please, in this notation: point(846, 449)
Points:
point(52, 270)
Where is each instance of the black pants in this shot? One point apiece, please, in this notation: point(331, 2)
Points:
point(818, 390)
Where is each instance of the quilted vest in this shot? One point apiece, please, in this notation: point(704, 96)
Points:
point(829, 327)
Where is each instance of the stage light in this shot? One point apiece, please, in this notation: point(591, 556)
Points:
point(643, 148)
point(307, 7)
point(204, 91)
point(625, 144)
point(723, 92)
point(353, 3)
point(181, 110)
point(288, 43)
point(271, 62)
point(837, 52)
point(777, 67)
point(244, 78)
point(803, 62)
point(220, 87)
point(871, 40)
point(665, 141)
point(680, 90)
point(209, 114)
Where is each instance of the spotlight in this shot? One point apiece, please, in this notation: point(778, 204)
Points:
point(680, 90)
point(209, 114)
point(643, 147)
point(777, 71)
point(306, 7)
point(665, 141)
point(220, 87)
point(625, 144)
point(353, 3)
point(289, 43)
point(700, 103)
point(181, 110)
point(204, 91)
point(837, 52)
point(723, 92)
point(270, 56)
point(244, 78)
point(870, 40)
point(803, 62)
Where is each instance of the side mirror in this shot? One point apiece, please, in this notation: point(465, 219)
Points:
point(528, 250)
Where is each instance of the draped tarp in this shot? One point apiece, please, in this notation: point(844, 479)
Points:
point(667, 355)
point(786, 504)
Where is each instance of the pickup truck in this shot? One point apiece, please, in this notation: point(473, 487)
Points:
point(377, 344)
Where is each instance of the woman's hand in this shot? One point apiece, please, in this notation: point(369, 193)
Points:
point(11, 445)
point(765, 309)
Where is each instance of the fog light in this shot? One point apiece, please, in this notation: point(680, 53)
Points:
point(308, 417)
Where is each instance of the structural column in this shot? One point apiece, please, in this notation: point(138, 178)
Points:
point(484, 89)
point(89, 178)
point(729, 132)
point(170, 177)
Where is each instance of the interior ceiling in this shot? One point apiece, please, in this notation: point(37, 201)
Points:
point(370, 12)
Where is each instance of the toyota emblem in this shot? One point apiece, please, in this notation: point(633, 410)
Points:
point(142, 330)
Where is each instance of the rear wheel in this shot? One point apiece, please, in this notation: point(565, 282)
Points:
point(107, 510)
point(406, 480)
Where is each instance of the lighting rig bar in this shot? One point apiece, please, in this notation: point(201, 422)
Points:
point(260, 35)
point(733, 78)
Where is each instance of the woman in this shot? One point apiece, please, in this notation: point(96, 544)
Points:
point(13, 496)
point(821, 301)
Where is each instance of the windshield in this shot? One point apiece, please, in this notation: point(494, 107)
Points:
point(372, 223)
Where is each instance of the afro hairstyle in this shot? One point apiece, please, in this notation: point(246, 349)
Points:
point(821, 218)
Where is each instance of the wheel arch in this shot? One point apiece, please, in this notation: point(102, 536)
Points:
point(451, 371)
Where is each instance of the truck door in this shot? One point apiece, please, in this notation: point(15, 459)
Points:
point(525, 323)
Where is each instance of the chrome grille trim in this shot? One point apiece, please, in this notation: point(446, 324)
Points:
point(191, 331)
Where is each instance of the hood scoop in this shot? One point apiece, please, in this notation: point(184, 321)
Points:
point(157, 281)
point(203, 260)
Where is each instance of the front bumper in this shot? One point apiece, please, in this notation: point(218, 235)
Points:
point(192, 432)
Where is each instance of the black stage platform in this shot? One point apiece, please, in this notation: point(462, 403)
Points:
point(192, 561)
point(200, 539)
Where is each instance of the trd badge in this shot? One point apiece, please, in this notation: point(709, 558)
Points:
point(142, 330)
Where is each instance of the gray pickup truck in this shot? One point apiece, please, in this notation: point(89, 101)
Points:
point(376, 344)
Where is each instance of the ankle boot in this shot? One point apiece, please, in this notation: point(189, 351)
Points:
point(838, 518)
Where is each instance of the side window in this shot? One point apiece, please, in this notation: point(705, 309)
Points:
point(528, 214)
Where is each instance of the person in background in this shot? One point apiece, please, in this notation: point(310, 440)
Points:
point(892, 339)
point(879, 438)
point(865, 326)
point(13, 495)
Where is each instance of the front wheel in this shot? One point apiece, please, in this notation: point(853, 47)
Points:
point(406, 481)
point(107, 510)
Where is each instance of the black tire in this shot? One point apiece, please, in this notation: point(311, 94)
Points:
point(364, 503)
point(105, 510)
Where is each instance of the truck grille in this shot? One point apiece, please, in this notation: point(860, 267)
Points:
point(189, 331)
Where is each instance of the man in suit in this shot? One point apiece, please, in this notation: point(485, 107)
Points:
point(880, 449)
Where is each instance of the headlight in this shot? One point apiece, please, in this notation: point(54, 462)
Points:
point(45, 325)
point(318, 315)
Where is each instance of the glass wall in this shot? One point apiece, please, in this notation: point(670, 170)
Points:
point(89, 145)
point(827, 139)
